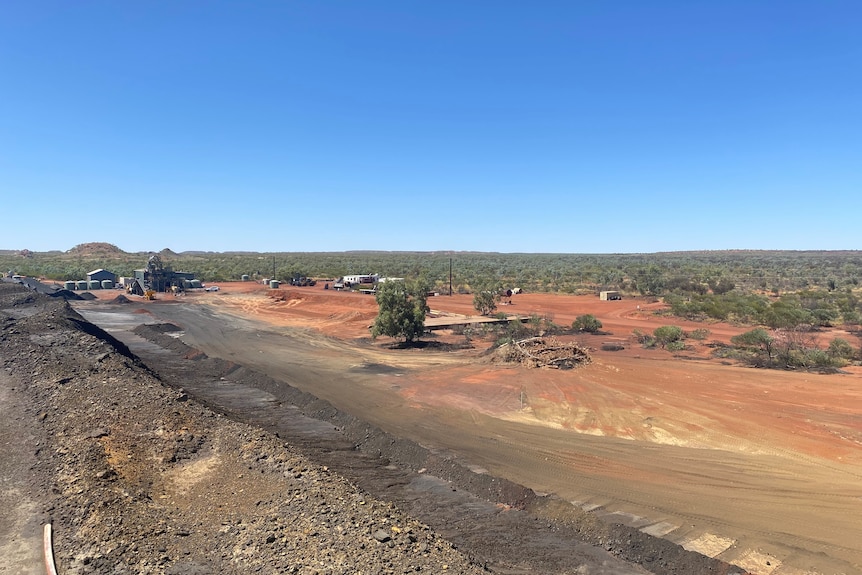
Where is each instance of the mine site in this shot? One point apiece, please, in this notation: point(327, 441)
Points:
point(389, 288)
point(256, 427)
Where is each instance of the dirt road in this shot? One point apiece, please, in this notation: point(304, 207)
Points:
point(762, 469)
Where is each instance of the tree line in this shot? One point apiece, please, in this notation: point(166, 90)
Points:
point(660, 274)
point(790, 293)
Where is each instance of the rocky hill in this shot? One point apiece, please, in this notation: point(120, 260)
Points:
point(97, 250)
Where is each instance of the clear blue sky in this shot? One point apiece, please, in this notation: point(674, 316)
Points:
point(570, 126)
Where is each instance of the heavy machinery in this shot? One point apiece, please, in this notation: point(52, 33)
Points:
point(150, 294)
point(302, 281)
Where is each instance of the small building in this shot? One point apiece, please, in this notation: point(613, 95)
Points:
point(610, 295)
point(360, 279)
point(99, 275)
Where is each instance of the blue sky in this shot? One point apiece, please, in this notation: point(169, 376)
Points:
point(571, 126)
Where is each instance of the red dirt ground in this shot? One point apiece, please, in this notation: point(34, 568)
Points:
point(726, 393)
point(754, 430)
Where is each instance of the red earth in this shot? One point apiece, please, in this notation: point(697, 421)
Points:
point(762, 468)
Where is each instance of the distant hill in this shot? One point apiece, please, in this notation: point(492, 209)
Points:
point(168, 253)
point(97, 250)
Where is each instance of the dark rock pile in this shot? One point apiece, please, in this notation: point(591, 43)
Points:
point(136, 478)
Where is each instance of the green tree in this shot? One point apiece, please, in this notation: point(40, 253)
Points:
point(721, 286)
point(402, 309)
point(650, 281)
point(757, 338)
point(668, 335)
point(587, 323)
point(787, 314)
point(486, 296)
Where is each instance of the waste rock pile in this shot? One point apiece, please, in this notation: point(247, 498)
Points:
point(135, 477)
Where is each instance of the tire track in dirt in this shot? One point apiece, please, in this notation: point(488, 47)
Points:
point(568, 468)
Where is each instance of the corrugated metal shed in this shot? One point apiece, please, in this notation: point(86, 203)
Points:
point(100, 274)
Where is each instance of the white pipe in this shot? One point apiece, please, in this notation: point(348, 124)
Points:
point(48, 547)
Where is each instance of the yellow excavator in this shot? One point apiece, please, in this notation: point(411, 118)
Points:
point(150, 294)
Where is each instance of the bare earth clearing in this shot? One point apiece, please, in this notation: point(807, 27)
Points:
point(762, 469)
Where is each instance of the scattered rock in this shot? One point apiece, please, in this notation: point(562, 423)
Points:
point(381, 536)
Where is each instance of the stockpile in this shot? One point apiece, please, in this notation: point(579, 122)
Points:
point(544, 352)
point(136, 477)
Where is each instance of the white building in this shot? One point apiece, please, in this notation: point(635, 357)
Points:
point(361, 279)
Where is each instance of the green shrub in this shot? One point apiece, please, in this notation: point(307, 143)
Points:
point(841, 349)
point(668, 334)
point(817, 358)
point(587, 323)
point(699, 334)
point(644, 339)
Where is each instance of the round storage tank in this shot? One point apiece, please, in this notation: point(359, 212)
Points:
point(245, 277)
point(107, 284)
point(196, 284)
point(81, 285)
point(70, 286)
point(273, 284)
point(94, 284)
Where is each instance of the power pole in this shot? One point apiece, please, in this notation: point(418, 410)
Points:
point(450, 277)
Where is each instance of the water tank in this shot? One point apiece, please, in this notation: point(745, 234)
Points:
point(94, 284)
point(196, 284)
point(107, 284)
point(81, 285)
point(245, 277)
point(70, 286)
point(273, 284)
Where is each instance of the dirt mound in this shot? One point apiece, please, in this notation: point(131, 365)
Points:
point(66, 294)
point(543, 352)
point(121, 299)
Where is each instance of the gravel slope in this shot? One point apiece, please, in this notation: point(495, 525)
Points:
point(138, 479)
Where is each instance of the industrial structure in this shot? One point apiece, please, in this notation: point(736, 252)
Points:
point(101, 275)
point(157, 277)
